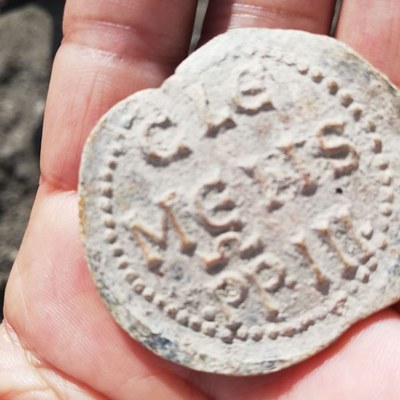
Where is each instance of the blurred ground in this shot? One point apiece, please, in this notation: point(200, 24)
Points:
point(30, 32)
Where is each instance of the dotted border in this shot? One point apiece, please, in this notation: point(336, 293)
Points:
point(208, 326)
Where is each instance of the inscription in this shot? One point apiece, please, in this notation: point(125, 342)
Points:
point(218, 119)
point(251, 94)
point(308, 185)
point(231, 289)
point(338, 232)
point(162, 142)
point(251, 247)
point(322, 282)
point(217, 205)
point(266, 274)
point(148, 240)
point(216, 208)
point(230, 245)
point(227, 246)
point(285, 176)
point(269, 271)
point(270, 183)
point(345, 158)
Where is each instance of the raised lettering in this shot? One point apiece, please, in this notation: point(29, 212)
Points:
point(162, 142)
point(270, 272)
point(150, 242)
point(251, 94)
point(322, 282)
point(340, 235)
point(229, 245)
point(231, 289)
point(334, 146)
point(308, 185)
point(267, 275)
point(216, 209)
point(218, 119)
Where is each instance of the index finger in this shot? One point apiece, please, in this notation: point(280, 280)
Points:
point(110, 50)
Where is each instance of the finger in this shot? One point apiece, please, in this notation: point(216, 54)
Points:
point(308, 15)
point(110, 50)
point(363, 364)
point(56, 312)
point(373, 29)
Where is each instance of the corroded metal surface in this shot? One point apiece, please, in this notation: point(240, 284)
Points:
point(242, 216)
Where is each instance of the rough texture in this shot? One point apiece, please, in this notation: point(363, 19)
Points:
point(241, 217)
point(25, 58)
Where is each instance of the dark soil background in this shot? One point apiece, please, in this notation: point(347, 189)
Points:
point(30, 33)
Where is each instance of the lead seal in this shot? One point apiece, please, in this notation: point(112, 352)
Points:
point(242, 216)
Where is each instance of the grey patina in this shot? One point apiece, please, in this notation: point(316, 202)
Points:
point(242, 216)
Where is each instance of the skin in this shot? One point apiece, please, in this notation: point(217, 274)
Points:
point(57, 340)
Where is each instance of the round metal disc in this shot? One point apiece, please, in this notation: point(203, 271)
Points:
point(242, 216)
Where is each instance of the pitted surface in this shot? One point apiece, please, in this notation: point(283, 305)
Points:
point(243, 215)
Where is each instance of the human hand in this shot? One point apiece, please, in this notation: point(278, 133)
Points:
point(58, 340)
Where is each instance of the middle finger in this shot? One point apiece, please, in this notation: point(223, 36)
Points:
point(307, 15)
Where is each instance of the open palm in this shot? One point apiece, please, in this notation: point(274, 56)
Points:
point(57, 339)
